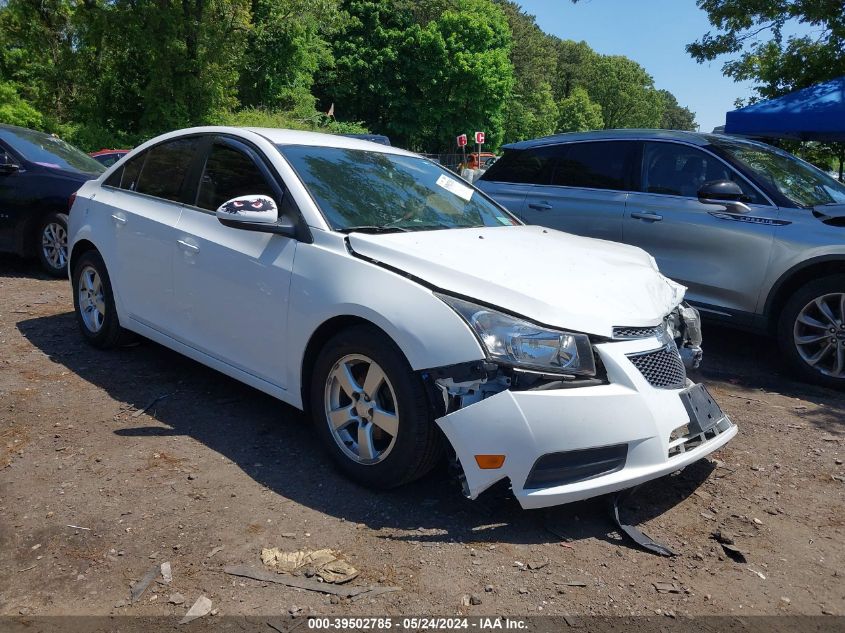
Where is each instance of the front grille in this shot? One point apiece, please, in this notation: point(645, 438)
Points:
point(663, 368)
point(623, 332)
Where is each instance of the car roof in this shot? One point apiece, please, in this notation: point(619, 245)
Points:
point(280, 136)
point(694, 138)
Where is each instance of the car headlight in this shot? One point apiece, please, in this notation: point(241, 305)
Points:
point(523, 344)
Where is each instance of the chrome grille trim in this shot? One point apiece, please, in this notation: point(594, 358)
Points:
point(662, 368)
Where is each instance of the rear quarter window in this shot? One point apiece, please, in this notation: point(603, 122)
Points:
point(529, 166)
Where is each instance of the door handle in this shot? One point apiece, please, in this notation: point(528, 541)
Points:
point(188, 247)
point(539, 206)
point(649, 217)
point(118, 218)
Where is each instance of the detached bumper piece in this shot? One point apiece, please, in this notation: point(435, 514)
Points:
point(564, 445)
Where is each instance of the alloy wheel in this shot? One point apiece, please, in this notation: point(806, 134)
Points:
point(92, 303)
point(819, 334)
point(361, 409)
point(54, 245)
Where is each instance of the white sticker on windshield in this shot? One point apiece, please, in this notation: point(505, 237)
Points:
point(462, 191)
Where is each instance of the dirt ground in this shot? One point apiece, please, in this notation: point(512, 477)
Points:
point(113, 462)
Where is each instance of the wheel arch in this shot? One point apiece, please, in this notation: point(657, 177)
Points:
point(318, 339)
point(81, 246)
point(794, 278)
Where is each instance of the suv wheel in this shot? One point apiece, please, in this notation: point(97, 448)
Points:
point(52, 244)
point(812, 331)
point(371, 410)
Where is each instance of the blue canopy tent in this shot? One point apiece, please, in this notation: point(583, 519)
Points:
point(816, 113)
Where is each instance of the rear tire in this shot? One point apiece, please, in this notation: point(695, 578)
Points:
point(811, 332)
point(93, 301)
point(51, 244)
point(380, 431)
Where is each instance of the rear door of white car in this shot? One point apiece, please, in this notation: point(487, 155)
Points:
point(232, 284)
point(142, 203)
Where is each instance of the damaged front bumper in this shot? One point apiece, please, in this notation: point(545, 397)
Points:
point(564, 445)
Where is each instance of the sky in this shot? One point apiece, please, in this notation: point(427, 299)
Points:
point(654, 34)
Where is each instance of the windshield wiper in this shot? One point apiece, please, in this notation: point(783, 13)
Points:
point(374, 229)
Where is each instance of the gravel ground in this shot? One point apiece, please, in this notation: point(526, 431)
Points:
point(114, 462)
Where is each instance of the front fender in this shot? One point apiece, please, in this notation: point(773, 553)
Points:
point(329, 283)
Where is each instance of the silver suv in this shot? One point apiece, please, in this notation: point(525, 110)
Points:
point(757, 235)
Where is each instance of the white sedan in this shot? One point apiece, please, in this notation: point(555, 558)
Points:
point(403, 308)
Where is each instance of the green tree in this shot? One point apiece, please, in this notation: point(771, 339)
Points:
point(421, 82)
point(777, 64)
point(578, 113)
point(675, 116)
point(16, 111)
point(750, 34)
point(37, 53)
point(625, 92)
point(286, 47)
point(531, 110)
point(573, 61)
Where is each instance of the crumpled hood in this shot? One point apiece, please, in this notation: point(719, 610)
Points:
point(553, 278)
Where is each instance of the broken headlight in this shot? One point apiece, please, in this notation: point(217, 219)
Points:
point(522, 344)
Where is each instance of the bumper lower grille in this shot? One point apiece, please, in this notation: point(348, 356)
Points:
point(662, 368)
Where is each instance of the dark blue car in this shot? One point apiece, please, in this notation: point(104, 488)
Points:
point(38, 175)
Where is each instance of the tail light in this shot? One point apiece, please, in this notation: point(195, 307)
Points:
point(70, 201)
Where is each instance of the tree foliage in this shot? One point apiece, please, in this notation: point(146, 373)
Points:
point(751, 33)
point(675, 116)
point(578, 113)
point(422, 82)
point(625, 92)
point(112, 73)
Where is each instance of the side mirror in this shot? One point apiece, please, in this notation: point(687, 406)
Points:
point(255, 209)
point(254, 213)
point(723, 192)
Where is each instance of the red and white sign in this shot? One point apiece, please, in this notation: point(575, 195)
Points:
point(462, 140)
point(479, 138)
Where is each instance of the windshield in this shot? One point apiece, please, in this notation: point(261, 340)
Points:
point(49, 151)
point(802, 183)
point(367, 190)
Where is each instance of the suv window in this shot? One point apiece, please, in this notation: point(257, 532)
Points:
point(528, 166)
point(680, 170)
point(599, 165)
point(165, 169)
point(228, 174)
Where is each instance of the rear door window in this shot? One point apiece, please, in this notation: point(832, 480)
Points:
point(527, 166)
point(598, 165)
point(164, 171)
point(230, 173)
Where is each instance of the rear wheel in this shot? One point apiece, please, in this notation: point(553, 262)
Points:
point(52, 244)
point(371, 410)
point(812, 331)
point(93, 301)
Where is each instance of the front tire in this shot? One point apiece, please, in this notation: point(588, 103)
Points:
point(93, 301)
point(371, 410)
point(811, 332)
point(51, 244)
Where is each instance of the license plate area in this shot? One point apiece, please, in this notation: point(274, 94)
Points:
point(703, 411)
